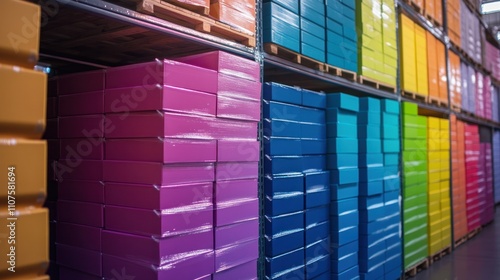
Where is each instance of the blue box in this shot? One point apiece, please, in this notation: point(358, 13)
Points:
point(344, 176)
point(334, 26)
point(390, 119)
point(336, 161)
point(342, 145)
point(313, 99)
point(391, 197)
point(371, 214)
point(339, 251)
point(373, 268)
point(371, 160)
point(287, 11)
point(311, 40)
point(373, 227)
point(316, 28)
point(324, 276)
point(283, 164)
point(317, 249)
point(344, 206)
point(371, 188)
point(343, 264)
point(350, 30)
point(316, 267)
point(351, 65)
point(342, 101)
point(282, 93)
point(283, 111)
point(369, 131)
point(279, 264)
point(313, 163)
point(315, 5)
point(284, 194)
point(282, 128)
point(369, 117)
point(291, 5)
point(371, 202)
point(337, 115)
point(317, 189)
point(312, 115)
point(317, 215)
point(392, 146)
point(336, 60)
point(311, 130)
point(390, 106)
point(312, 52)
point(368, 174)
point(391, 159)
point(278, 244)
point(346, 220)
point(391, 171)
point(393, 262)
point(274, 146)
point(313, 15)
point(344, 191)
point(284, 223)
point(393, 274)
point(317, 232)
point(370, 146)
point(284, 40)
point(369, 104)
point(313, 146)
point(341, 130)
point(372, 250)
point(349, 274)
point(390, 131)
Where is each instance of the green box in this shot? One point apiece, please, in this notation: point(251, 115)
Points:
point(415, 190)
point(422, 133)
point(410, 132)
point(410, 108)
point(410, 120)
point(414, 178)
point(414, 145)
point(414, 166)
point(414, 155)
point(414, 201)
point(422, 121)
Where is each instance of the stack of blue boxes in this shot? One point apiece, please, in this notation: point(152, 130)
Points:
point(341, 35)
point(296, 184)
point(342, 161)
point(312, 29)
point(281, 23)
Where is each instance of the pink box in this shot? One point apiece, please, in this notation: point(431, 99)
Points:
point(68, 273)
point(238, 151)
point(236, 255)
point(238, 88)
point(236, 170)
point(79, 236)
point(84, 148)
point(52, 107)
point(166, 98)
point(227, 191)
point(236, 233)
point(164, 150)
point(232, 108)
point(82, 213)
point(162, 72)
point(157, 173)
point(232, 212)
point(85, 103)
point(90, 126)
point(79, 259)
point(78, 170)
point(156, 124)
point(247, 271)
point(153, 197)
point(84, 191)
point(226, 63)
point(155, 251)
point(81, 82)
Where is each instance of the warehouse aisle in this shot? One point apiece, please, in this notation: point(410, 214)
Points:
point(477, 259)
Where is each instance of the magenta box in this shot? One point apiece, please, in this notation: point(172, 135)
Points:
point(85, 103)
point(68, 273)
point(79, 236)
point(82, 213)
point(156, 124)
point(81, 82)
point(136, 172)
point(236, 170)
point(246, 271)
point(52, 107)
point(236, 233)
point(239, 109)
point(155, 251)
point(79, 170)
point(226, 63)
point(84, 148)
point(190, 267)
point(164, 150)
point(236, 150)
point(164, 98)
point(236, 87)
point(79, 259)
point(226, 191)
point(233, 212)
point(162, 72)
point(154, 197)
point(90, 126)
point(235, 255)
point(84, 191)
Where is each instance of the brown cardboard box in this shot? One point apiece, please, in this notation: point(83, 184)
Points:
point(19, 32)
point(28, 181)
point(23, 101)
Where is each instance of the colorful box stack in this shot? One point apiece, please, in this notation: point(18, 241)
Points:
point(486, 204)
point(342, 133)
point(341, 34)
point(455, 84)
point(453, 17)
point(439, 215)
point(238, 14)
point(415, 221)
point(281, 23)
point(472, 151)
point(496, 165)
point(297, 187)
point(313, 29)
point(23, 95)
point(458, 178)
point(436, 68)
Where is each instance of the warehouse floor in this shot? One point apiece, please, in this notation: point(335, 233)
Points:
point(477, 259)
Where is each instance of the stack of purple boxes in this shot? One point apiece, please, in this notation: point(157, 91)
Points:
point(174, 184)
point(480, 101)
point(487, 203)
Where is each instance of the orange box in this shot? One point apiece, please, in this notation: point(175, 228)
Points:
point(238, 14)
point(193, 5)
point(432, 64)
point(442, 72)
point(438, 12)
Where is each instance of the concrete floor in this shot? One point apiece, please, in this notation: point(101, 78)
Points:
point(476, 259)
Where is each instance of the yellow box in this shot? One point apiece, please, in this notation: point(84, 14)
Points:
point(433, 123)
point(19, 33)
point(434, 187)
point(435, 197)
point(445, 124)
point(23, 101)
point(435, 246)
point(31, 231)
point(433, 144)
point(444, 155)
point(434, 166)
point(445, 175)
point(434, 156)
point(421, 58)
point(434, 209)
point(444, 144)
point(434, 176)
point(27, 181)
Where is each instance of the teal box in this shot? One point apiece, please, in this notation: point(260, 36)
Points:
point(391, 146)
point(313, 28)
point(337, 115)
point(336, 161)
point(351, 66)
point(344, 191)
point(313, 52)
point(282, 93)
point(392, 184)
point(344, 207)
point(315, 5)
point(369, 131)
point(333, 39)
point(369, 104)
point(282, 39)
point(313, 99)
point(344, 176)
point(342, 145)
point(292, 5)
point(371, 188)
point(336, 60)
point(391, 171)
point(318, 17)
point(350, 29)
point(369, 160)
point(370, 146)
point(390, 106)
point(341, 130)
point(390, 132)
point(312, 40)
point(391, 159)
point(369, 117)
point(272, 9)
point(334, 26)
point(343, 101)
point(390, 119)
point(368, 174)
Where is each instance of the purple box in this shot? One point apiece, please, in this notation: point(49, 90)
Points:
point(162, 150)
point(236, 233)
point(52, 107)
point(79, 259)
point(190, 267)
point(136, 172)
point(83, 148)
point(238, 88)
point(85, 103)
point(227, 191)
point(155, 251)
point(235, 255)
point(81, 82)
point(90, 126)
point(90, 170)
point(164, 124)
point(232, 212)
point(79, 236)
point(226, 63)
point(239, 109)
point(153, 197)
point(236, 170)
point(51, 129)
point(84, 191)
point(53, 149)
point(82, 213)
point(247, 271)
point(206, 277)
point(68, 273)
point(235, 150)
point(145, 76)
point(166, 98)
